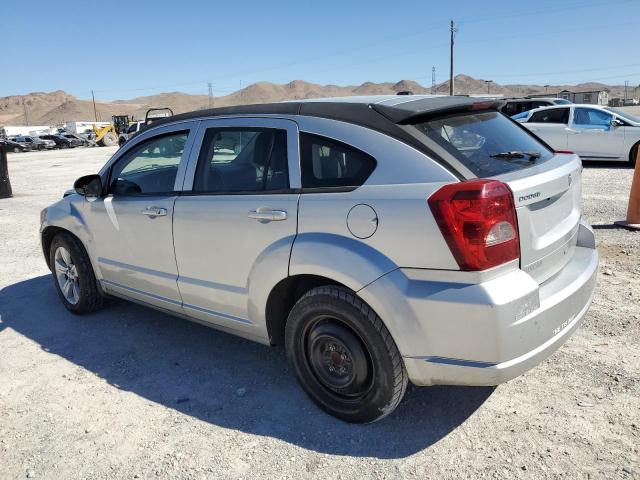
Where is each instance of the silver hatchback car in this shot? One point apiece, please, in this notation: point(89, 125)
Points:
point(380, 239)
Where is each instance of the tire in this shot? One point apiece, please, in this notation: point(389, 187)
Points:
point(86, 297)
point(343, 355)
point(109, 139)
point(64, 145)
point(633, 155)
point(16, 150)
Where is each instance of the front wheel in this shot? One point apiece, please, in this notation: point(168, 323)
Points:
point(344, 356)
point(73, 274)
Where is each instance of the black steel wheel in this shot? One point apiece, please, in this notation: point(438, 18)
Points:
point(344, 356)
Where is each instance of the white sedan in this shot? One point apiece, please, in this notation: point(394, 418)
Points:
point(591, 131)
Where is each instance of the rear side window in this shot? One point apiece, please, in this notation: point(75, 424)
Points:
point(552, 115)
point(242, 159)
point(326, 163)
point(487, 143)
point(591, 117)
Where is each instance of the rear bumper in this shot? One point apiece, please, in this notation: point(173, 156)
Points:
point(485, 333)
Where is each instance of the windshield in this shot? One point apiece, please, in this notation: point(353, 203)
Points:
point(487, 143)
point(521, 115)
point(625, 115)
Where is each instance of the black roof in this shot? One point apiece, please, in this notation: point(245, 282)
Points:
point(359, 112)
point(385, 114)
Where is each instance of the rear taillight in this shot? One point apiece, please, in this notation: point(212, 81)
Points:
point(478, 221)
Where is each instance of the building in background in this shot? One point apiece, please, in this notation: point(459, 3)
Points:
point(13, 130)
point(82, 127)
point(595, 97)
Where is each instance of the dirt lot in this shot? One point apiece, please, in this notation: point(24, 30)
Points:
point(132, 393)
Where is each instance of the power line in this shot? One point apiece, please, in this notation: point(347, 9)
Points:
point(429, 28)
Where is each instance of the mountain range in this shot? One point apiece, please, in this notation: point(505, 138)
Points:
point(59, 107)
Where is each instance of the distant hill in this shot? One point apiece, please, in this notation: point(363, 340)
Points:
point(58, 107)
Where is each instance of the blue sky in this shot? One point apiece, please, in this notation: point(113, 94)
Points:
point(141, 47)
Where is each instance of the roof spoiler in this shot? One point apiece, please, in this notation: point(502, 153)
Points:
point(421, 109)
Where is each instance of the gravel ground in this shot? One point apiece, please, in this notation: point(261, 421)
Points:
point(132, 393)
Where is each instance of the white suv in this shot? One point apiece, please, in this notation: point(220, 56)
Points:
point(380, 239)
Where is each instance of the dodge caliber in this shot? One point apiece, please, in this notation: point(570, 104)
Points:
point(381, 240)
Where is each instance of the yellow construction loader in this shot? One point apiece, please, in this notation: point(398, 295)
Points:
point(106, 136)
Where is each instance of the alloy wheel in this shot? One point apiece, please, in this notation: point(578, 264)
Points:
point(67, 275)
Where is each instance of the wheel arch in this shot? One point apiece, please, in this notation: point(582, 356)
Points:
point(319, 259)
point(48, 234)
point(283, 297)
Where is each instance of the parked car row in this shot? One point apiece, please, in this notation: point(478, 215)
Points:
point(28, 143)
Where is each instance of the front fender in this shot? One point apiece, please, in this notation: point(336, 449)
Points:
point(67, 215)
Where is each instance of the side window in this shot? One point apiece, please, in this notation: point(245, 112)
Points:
point(150, 167)
point(591, 117)
point(242, 159)
point(552, 115)
point(328, 163)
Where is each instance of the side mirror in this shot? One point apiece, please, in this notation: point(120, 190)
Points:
point(89, 186)
point(616, 123)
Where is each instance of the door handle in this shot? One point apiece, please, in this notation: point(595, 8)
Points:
point(154, 212)
point(265, 215)
point(571, 130)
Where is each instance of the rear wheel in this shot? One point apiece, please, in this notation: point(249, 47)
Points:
point(73, 274)
point(16, 150)
point(344, 356)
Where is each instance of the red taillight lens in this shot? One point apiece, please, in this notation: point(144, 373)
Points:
point(478, 221)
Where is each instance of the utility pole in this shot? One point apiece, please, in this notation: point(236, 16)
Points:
point(210, 85)
point(433, 80)
point(26, 116)
point(488, 82)
point(451, 86)
point(626, 86)
point(95, 112)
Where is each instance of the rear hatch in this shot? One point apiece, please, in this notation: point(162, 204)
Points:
point(546, 185)
point(547, 200)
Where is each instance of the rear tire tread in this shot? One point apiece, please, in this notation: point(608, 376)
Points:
point(401, 379)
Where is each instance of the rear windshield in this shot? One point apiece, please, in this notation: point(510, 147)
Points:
point(487, 143)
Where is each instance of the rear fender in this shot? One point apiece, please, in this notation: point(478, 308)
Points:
point(343, 259)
